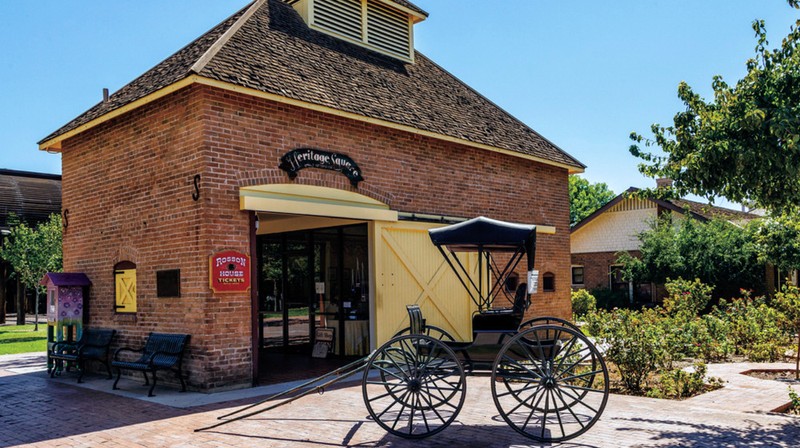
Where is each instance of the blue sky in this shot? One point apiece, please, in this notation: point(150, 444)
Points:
point(583, 74)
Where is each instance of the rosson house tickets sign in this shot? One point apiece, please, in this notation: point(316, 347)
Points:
point(295, 160)
point(229, 271)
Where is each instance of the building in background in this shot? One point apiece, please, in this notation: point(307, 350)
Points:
point(28, 198)
point(596, 240)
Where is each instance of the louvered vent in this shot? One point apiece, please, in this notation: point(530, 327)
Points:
point(388, 29)
point(340, 16)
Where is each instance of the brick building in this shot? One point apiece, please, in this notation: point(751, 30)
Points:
point(615, 227)
point(310, 136)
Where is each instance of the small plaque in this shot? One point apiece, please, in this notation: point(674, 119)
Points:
point(168, 283)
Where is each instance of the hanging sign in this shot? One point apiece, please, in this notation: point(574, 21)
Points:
point(297, 159)
point(229, 271)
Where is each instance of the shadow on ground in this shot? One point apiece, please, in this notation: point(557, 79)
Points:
point(456, 435)
point(784, 432)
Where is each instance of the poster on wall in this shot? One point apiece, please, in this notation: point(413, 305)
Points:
point(229, 271)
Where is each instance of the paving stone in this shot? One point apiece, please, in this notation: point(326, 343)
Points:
point(36, 411)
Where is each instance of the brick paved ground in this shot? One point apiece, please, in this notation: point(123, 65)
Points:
point(37, 411)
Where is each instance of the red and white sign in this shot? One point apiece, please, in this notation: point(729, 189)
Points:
point(229, 271)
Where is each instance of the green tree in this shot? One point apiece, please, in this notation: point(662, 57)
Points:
point(743, 145)
point(586, 197)
point(33, 252)
point(778, 240)
point(716, 252)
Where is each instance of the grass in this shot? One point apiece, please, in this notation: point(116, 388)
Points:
point(22, 339)
point(293, 312)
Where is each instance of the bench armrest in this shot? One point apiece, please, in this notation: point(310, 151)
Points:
point(126, 349)
point(177, 355)
point(61, 347)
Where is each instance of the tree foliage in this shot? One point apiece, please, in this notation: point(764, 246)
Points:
point(32, 252)
point(585, 198)
point(716, 252)
point(743, 145)
point(778, 240)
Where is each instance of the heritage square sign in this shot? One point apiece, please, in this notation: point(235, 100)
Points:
point(297, 159)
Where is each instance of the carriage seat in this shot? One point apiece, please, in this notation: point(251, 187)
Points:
point(503, 319)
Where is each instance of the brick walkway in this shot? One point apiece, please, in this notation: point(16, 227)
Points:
point(37, 411)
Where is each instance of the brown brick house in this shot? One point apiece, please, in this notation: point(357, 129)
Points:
point(596, 240)
point(186, 162)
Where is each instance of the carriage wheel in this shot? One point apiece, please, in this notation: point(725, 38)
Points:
point(433, 331)
point(554, 383)
point(549, 320)
point(546, 320)
point(420, 389)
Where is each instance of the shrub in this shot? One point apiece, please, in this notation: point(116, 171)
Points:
point(794, 408)
point(788, 301)
point(680, 383)
point(713, 343)
point(608, 299)
point(633, 341)
point(687, 298)
point(755, 329)
point(583, 303)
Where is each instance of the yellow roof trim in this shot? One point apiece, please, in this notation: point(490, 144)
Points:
point(55, 143)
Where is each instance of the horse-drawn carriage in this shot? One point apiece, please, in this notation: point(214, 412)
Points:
point(548, 381)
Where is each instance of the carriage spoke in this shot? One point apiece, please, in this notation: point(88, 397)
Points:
point(593, 372)
point(573, 365)
point(535, 368)
point(578, 400)
point(422, 386)
point(569, 408)
point(558, 413)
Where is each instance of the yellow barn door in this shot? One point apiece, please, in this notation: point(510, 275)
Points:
point(410, 270)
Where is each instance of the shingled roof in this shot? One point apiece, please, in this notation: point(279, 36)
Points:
point(32, 197)
point(269, 48)
point(697, 210)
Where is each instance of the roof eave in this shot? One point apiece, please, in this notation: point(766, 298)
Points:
point(54, 144)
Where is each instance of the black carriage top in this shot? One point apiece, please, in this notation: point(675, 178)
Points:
point(487, 237)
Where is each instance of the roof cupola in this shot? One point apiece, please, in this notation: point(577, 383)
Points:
point(385, 26)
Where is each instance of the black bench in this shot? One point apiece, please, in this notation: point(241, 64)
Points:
point(161, 351)
point(93, 345)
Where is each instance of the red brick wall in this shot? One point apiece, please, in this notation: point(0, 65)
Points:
point(128, 185)
point(595, 267)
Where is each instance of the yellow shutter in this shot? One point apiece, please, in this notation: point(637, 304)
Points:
point(410, 270)
point(125, 286)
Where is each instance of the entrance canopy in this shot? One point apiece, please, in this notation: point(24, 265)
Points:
point(313, 200)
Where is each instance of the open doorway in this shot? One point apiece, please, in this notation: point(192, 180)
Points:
point(312, 282)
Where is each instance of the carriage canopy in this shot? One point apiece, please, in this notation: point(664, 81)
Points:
point(486, 236)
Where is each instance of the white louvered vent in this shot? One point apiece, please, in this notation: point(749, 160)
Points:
point(385, 26)
point(340, 16)
point(388, 29)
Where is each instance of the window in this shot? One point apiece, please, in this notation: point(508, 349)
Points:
point(548, 282)
point(577, 275)
point(512, 281)
point(125, 287)
point(616, 282)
